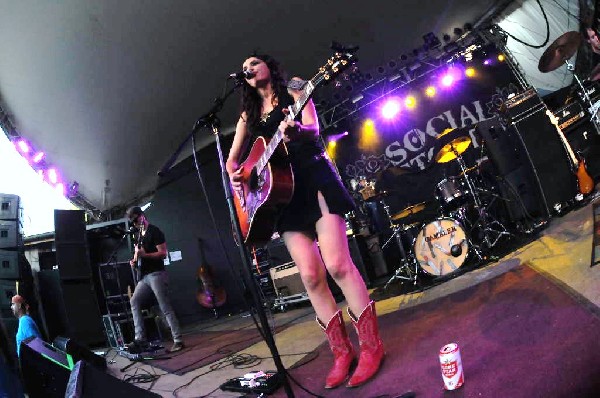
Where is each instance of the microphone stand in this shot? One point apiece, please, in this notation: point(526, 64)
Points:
point(115, 266)
point(211, 121)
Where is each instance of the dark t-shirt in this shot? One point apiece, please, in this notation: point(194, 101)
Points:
point(151, 239)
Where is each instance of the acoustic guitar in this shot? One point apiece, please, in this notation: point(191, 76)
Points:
point(210, 295)
point(267, 180)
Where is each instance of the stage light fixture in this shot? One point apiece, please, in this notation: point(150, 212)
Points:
point(23, 146)
point(470, 72)
point(390, 108)
point(38, 157)
point(410, 102)
point(487, 62)
point(431, 40)
point(357, 98)
point(448, 80)
point(430, 91)
point(52, 176)
point(501, 57)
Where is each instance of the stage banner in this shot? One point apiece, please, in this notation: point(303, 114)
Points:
point(399, 155)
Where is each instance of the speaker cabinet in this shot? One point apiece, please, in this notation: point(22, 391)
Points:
point(585, 140)
point(9, 235)
point(286, 280)
point(14, 265)
point(45, 369)
point(9, 207)
point(69, 226)
point(73, 260)
point(70, 308)
point(79, 352)
point(88, 382)
point(549, 158)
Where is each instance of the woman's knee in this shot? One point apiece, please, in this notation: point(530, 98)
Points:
point(339, 267)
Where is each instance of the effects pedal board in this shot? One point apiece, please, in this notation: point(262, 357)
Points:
point(255, 382)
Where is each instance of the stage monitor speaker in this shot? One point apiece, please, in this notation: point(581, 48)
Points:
point(286, 280)
point(88, 382)
point(45, 369)
point(549, 157)
point(9, 207)
point(73, 260)
point(9, 235)
point(79, 352)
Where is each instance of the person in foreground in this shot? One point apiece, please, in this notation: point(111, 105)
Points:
point(27, 327)
point(150, 250)
point(315, 212)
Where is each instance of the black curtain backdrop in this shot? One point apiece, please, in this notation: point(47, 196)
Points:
point(402, 161)
point(180, 209)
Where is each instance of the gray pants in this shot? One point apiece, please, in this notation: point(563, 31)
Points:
point(157, 283)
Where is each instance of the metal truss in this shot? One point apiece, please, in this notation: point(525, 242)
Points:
point(400, 78)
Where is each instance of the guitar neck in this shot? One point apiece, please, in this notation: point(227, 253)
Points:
point(295, 110)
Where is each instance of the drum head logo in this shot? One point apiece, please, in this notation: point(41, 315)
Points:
point(440, 233)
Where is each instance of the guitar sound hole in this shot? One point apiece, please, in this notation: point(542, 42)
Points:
point(254, 180)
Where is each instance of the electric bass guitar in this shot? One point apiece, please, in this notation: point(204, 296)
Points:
point(267, 180)
point(585, 183)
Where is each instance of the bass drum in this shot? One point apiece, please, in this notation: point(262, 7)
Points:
point(441, 247)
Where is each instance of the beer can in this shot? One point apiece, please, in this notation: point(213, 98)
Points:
point(452, 370)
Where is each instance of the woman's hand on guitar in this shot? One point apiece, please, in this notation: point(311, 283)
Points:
point(236, 178)
point(290, 129)
point(133, 262)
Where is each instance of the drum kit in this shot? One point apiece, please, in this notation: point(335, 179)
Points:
point(463, 227)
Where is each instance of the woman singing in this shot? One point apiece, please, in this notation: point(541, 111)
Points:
point(315, 212)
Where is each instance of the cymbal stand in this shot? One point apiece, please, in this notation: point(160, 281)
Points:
point(407, 271)
point(593, 108)
point(491, 228)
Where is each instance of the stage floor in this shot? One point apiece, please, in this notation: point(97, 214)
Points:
point(562, 253)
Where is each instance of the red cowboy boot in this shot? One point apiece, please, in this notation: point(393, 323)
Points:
point(371, 346)
point(343, 352)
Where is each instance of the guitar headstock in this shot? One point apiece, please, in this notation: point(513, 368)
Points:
point(336, 64)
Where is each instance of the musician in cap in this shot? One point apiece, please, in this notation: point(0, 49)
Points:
point(148, 259)
point(314, 213)
point(27, 326)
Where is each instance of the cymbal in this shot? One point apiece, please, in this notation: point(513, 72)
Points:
point(559, 51)
point(443, 133)
point(451, 150)
point(410, 210)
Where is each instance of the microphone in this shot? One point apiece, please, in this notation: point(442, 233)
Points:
point(132, 230)
point(245, 74)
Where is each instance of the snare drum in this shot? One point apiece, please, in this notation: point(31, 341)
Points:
point(451, 192)
point(441, 247)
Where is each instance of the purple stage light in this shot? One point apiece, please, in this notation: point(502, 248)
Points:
point(448, 80)
point(487, 62)
point(60, 188)
point(52, 176)
point(38, 157)
point(23, 146)
point(391, 108)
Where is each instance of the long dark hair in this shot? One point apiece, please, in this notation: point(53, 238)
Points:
point(251, 102)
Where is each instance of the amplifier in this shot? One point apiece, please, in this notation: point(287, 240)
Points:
point(119, 329)
point(9, 207)
point(570, 115)
point(286, 279)
point(520, 104)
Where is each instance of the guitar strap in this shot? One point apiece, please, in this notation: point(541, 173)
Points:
point(296, 84)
